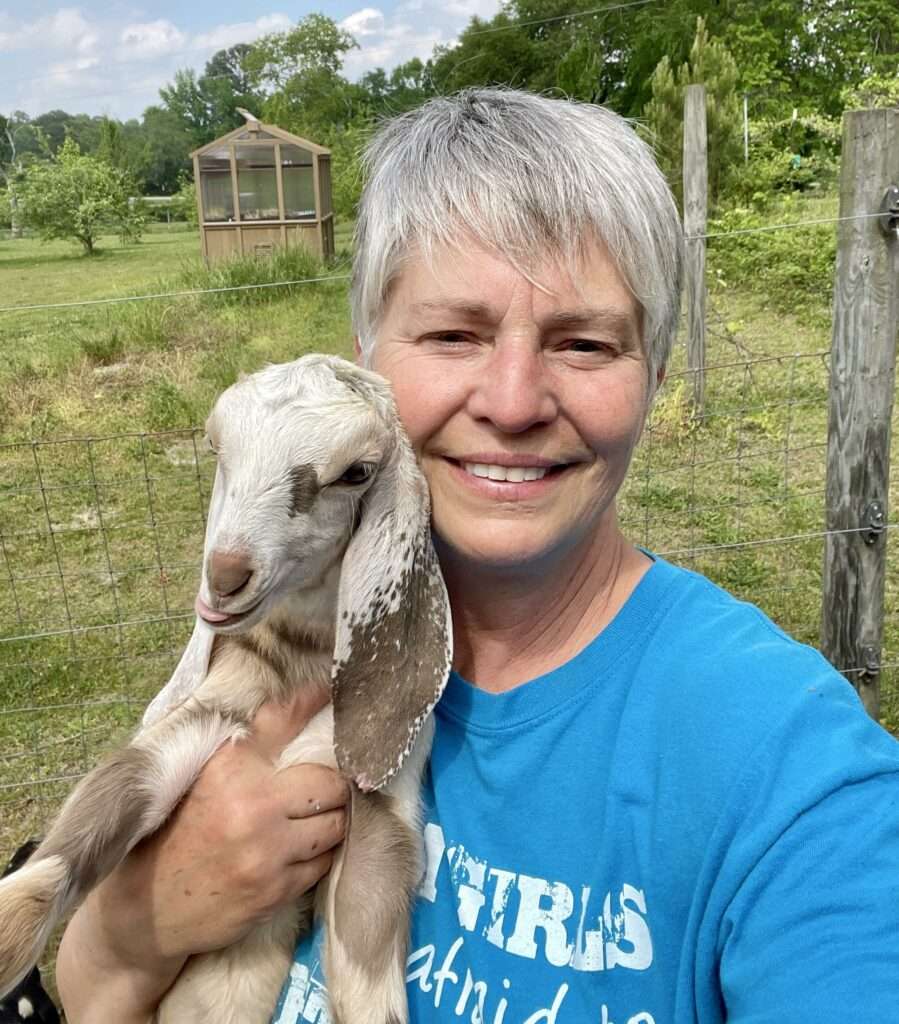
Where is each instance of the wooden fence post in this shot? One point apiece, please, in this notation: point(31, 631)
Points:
point(696, 190)
point(862, 375)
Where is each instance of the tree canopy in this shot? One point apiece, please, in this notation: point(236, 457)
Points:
point(814, 56)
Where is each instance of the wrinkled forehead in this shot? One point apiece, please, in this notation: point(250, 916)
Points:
point(299, 422)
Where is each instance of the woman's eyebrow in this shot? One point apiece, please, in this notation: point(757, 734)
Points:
point(458, 307)
point(602, 316)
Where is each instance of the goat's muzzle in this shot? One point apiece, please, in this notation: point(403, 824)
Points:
point(228, 573)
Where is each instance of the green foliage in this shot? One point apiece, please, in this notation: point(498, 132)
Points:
point(793, 155)
point(315, 44)
point(877, 90)
point(711, 65)
point(75, 196)
point(184, 201)
point(792, 269)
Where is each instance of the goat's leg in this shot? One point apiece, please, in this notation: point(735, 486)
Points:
point(367, 913)
point(116, 805)
point(240, 984)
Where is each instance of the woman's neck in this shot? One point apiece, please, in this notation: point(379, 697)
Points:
point(512, 625)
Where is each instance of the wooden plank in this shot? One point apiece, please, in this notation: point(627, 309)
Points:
point(696, 189)
point(862, 379)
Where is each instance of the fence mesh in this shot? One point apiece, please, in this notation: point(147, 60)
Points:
point(100, 541)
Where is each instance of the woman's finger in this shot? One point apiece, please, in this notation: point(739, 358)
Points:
point(311, 837)
point(308, 789)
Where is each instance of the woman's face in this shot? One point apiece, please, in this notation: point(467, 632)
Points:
point(523, 401)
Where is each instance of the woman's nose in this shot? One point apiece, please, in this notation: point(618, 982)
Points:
point(514, 391)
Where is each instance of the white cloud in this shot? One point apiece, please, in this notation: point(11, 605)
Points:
point(369, 21)
point(65, 29)
point(223, 36)
point(469, 8)
point(145, 40)
point(413, 30)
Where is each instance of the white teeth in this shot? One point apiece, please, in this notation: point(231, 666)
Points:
point(512, 474)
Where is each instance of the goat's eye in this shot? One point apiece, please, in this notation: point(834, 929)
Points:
point(356, 474)
point(210, 445)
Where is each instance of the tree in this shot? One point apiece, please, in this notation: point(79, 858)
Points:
point(711, 65)
point(75, 196)
point(226, 85)
point(19, 141)
point(185, 100)
point(315, 44)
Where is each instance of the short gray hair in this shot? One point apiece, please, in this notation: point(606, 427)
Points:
point(526, 176)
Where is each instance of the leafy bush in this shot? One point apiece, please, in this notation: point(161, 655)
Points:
point(792, 268)
point(873, 91)
point(76, 196)
point(786, 156)
point(184, 201)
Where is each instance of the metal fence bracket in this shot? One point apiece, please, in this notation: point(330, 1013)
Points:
point(889, 211)
point(873, 522)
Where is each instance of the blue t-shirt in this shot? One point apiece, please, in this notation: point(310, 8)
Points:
point(692, 820)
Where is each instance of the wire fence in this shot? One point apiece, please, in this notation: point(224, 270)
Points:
point(100, 540)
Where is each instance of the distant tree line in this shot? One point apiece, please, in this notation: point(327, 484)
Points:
point(800, 62)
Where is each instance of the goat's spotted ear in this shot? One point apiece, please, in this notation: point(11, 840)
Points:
point(394, 638)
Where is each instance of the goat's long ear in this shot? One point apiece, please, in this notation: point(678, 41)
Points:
point(194, 664)
point(393, 647)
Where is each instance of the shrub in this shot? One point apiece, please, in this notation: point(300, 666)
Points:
point(792, 268)
point(75, 196)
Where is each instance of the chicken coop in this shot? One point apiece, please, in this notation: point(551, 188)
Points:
point(260, 187)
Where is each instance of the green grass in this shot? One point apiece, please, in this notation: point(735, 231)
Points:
point(100, 541)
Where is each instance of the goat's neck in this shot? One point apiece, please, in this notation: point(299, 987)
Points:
point(290, 649)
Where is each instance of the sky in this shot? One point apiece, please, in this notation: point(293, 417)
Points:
point(111, 57)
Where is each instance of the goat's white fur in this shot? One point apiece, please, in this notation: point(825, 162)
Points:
point(341, 575)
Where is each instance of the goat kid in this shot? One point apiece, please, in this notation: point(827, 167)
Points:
point(318, 571)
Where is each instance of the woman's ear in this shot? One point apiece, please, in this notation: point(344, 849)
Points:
point(357, 348)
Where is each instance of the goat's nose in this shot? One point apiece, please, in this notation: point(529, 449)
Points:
point(228, 572)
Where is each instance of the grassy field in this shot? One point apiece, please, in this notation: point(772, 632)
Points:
point(100, 539)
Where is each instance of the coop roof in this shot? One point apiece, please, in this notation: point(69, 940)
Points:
point(256, 131)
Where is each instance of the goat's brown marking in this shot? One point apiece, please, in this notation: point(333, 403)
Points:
point(304, 488)
point(381, 858)
point(100, 819)
point(392, 674)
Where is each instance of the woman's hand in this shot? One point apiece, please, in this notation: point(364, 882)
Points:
point(243, 842)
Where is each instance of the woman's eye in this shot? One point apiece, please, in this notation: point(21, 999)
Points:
point(449, 337)
point(358, 473)
point(586, 345)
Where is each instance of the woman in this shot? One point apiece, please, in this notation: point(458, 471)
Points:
point(645, 803)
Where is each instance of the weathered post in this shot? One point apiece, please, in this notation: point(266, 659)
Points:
point(696, 189)
point(862, 375)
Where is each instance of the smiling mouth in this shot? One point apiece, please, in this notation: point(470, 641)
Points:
point(508, 474)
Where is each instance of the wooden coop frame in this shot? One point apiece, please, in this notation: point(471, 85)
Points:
point(260, 187)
